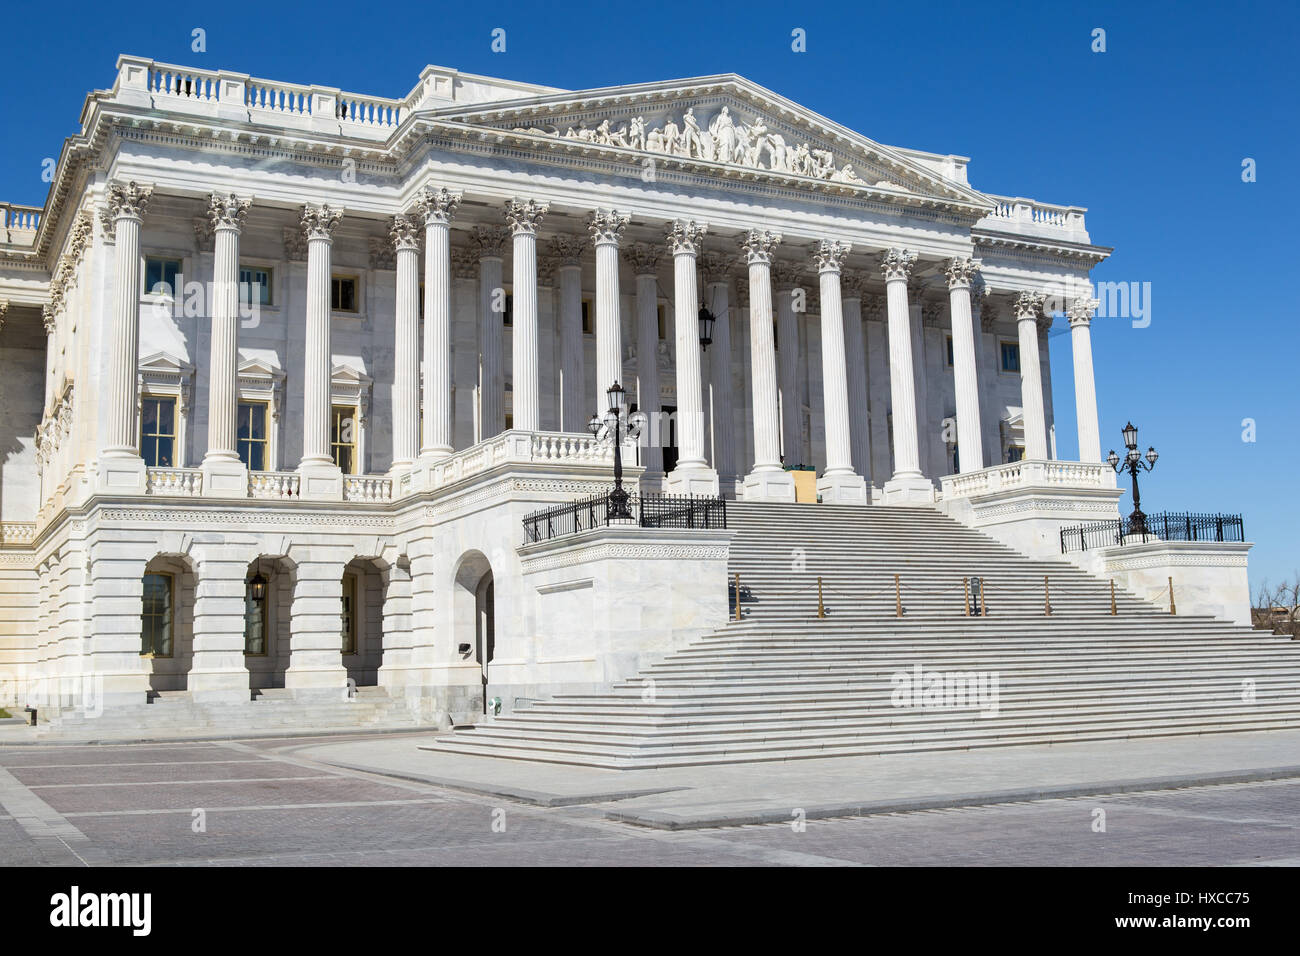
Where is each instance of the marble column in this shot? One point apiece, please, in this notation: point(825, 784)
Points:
point(908, 485)
point(644, 259)
point(435, 207)
point(121, 468)
point(786, 275)
point(320, 478)
point(1085, 386)
point(838, 484)
point(224, 475)
point(405, 235)
point(491, 242)
point(851, 287)
point(717, 281)
point(574, 411)
point(524, 216)
point(606, 227)
point(768, 481)
point(692, 476)
point(1028, 307)
point(970, 448)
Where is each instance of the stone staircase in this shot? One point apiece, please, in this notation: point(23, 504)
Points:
point(271, 711)
point(783, 684)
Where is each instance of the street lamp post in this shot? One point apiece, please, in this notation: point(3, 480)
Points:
point(613, 421)
point(1133, 463)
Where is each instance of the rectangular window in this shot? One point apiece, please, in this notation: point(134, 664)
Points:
point(156, 616)
point(663, 321)
point(343, 437)
point(255, 624)
point(160, 275)
point(349, 614)
point(950, 351)
point(588, 317)
point(1015, 453)
point(1010, 357)
point(158, 431)
point(509, 317)
point(343, 293)
point(251, 435)
point(421, 300)
point(254, 285)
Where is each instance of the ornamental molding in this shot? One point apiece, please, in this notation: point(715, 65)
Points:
point(897, 264)
point(853, 285)
point(525, 215)
point(127, 200)
point(319, 222)
point(464, 263)
point(828, 254)
point(383, 256)
point(759, 246)
point(1028, 305)
point(227, 212)
point(295, 244)
point(582, 552)
point(490, 241)
point(716, 267)
point(436, 206)
point(961, 272)
point(787, 274)
point(404, 232)
point(568, 249)
point(1080, 311)
point(1199, 557)
point(547, 267)
point(644, 258)
point(607, 226)
point(685, 236)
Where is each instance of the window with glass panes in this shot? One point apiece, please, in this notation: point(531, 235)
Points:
point(1010, 357)
point(349, 634)
point(343, 437)
point(158, 431)
point(343, 293)
point(254, 285)
point(160, 275)
point(251, 435)
point(156, 616)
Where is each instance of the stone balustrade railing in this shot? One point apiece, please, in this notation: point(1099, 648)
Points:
point(18, 223)
point(182, 482)
point(367, 488)
point(1017, 474)
point(17, 533)
point(273, 484)
point(1022, 215)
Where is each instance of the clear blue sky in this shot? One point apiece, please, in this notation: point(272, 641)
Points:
point(1150, 136)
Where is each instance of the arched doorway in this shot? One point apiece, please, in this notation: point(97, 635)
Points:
point(474, 606)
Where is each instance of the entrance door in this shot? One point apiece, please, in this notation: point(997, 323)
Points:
point(670, 439)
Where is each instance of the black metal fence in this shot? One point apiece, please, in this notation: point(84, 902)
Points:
point(1165, 526)
point(647, 511)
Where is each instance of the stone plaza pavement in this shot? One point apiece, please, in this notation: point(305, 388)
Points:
point(307, 801)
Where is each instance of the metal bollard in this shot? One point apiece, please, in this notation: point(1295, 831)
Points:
point(984, 611)
point(898, 598)
point(1172, 608)
point(1112, 597)
point(1047, 598)
point(737, 595)
point(965, 604)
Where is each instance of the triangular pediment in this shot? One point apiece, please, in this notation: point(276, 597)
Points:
point(260, 367)
point(727, 125)
point(165, 363)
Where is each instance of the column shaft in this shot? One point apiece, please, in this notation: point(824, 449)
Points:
point(491, 378)
point(835, 387)
point(970, 442)
point(902, 381)
point(317, 367)
point(724, 440)
point(787, 332)
point(573, 406)
point(859, 403)
point(406, 354)
point(1085, 385)
point(124, 348)
point(224, 366)
point(527, 397)
point(1028, 307)
point(690, 411)
point(647, 367)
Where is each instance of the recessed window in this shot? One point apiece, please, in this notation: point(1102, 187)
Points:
point(349, 633)
point(508, 317)
point(156, 616)
point(1010, 357)
point(160, 275)
point(343, 293)
point(663, 321)
point(251, 435)
point(949, 338)
point(158, 431)
point(255, 623)
point(1015, 452)
point(343, 437)
point(254, 285)
point(588, 314)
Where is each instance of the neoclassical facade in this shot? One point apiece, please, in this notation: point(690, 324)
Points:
point(283, 367)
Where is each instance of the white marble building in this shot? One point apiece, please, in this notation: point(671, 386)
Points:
point(341, 344)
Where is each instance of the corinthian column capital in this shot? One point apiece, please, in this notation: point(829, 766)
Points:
point(319, 222)
point(961, 272)
point(897, 264)
point(685, 236)
point(491, 241)
point(607, 225)
point(828, 254)
point(759, 245)
point(435, 205)
point(404, 232)
point(854, 285)
point(568, 249)
point(715, 267)
point(227, 212)
point(525, 215)
point(1028, 305)
point(127, 200)
point(643, 258)
point(1081, 309)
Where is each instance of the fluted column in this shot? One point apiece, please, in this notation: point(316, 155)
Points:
point(491, 402)
point(321, 478)
point(644, 259)
point(606, 227)
point(692, 475)
point(786, 275)
point(404, 233)
point(838, 483)
point(768, 481)
point(524, 216)
point(908, 485)
point(574, 410)
point(126, 206)
point(1028, 308)
point(970, 446)
point(224, 475)
point(851, 289)
point(435, 207)
point(1085, 386)
point(716, 269)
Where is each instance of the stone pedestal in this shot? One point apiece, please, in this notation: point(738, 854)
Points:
point(768, 485)
point(908, 490)
point(843, 489)
point(700, 480)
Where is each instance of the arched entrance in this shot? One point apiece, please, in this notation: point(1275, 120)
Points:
point(474, 606)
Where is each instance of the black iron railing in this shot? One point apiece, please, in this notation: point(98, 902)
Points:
point(1159, 527)
point(645, 511)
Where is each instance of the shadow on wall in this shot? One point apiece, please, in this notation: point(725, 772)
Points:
point(22, 406)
